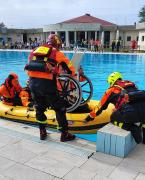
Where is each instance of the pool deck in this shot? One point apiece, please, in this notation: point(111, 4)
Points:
point(24, 157)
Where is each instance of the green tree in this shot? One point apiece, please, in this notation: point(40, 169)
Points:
point(142, 14)
point(2, 25)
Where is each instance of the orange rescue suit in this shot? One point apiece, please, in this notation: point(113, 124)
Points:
point(112, 95)
point(51, 54)
point(8, 93)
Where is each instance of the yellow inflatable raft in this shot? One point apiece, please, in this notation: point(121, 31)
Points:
point(75, 120)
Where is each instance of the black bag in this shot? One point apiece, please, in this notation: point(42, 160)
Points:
point(138, 95)
point(33, 66)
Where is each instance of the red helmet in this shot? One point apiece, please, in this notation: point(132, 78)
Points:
point(12, 81)
point(13, 76)
point(54, 40)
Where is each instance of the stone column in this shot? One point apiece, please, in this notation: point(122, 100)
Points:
point(102, 38)
point(67, 38)
point(75, 37)
point(117, 35)
point(95, 35)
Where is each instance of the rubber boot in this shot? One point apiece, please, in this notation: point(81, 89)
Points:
point(135, 131)
point(43, 133)
point(66, 136)
point(143, 131)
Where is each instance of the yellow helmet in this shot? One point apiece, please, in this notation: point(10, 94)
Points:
point(113, 77)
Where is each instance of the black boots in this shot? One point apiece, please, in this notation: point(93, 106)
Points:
point(135, 131)
point(66, 136)
point(137, 134)
point(43, 133)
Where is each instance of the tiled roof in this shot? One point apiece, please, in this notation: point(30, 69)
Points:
point(87, 18)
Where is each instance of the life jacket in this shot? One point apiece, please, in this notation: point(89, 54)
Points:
point(43, 63)
point(129, 93)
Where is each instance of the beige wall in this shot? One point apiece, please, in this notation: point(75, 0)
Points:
point(123, 36)
point(133, 34)
point(141, 43)
point(15, 37)
point(18, 37)
point(35, 35)
point(141, 28)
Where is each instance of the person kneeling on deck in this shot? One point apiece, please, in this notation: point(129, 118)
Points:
point(9, 90)
point(42, 70)
point(25, 96)
point(129, 105)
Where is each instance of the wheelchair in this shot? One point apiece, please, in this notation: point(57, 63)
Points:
point(75, 91)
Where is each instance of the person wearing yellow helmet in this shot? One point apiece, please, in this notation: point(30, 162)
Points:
point(113, 77)
point(129, 104)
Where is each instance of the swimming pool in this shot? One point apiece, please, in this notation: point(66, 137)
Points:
point(96, 66)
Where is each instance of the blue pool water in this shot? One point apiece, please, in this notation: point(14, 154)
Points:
point(96, 66)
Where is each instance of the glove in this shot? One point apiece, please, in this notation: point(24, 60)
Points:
point(88, 118)
point(65, 67)
point(81, 72)
point(31, 104)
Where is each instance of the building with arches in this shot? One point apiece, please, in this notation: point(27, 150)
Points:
point(88, 27)
point(76, 30)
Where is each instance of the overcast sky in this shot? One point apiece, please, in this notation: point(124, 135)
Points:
point(37, 13)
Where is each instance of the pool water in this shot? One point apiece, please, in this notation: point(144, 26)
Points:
point(96, 66)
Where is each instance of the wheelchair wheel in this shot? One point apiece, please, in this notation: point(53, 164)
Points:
point(87, 89)
point(70, 90)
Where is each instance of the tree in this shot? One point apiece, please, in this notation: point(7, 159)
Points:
point(2, 25)
point(142, 14)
